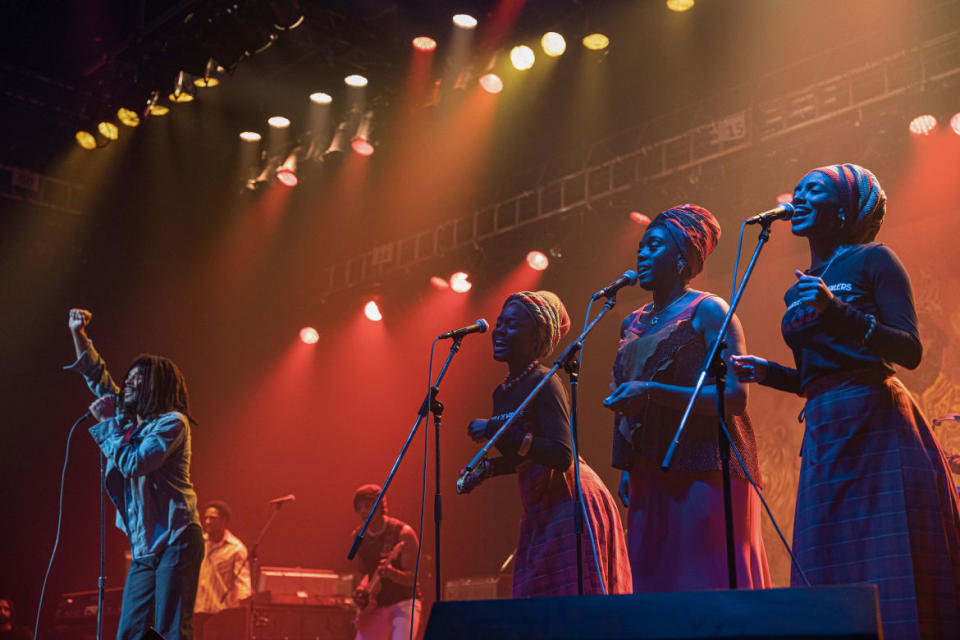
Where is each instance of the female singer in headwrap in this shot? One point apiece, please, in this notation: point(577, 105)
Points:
point(875, 502)
point(675, 519)
point(537, 447)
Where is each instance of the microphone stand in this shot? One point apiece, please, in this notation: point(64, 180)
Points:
point(570, 361)
point(102, 580)
point(714, 364)
point(254, 566)
point(430, 404)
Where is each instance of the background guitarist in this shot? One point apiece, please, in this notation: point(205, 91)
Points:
point(386, 559)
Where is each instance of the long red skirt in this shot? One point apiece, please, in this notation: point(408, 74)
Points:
point(676, 531)
point(546, 563)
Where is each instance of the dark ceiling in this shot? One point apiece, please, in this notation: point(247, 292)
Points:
point(64, 61)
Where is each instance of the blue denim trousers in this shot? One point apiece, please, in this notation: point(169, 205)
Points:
point(161, 589)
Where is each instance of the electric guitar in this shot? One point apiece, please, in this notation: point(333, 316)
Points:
point(366, 601)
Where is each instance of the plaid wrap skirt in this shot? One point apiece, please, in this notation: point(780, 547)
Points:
point(546, 563)
point(876, 503)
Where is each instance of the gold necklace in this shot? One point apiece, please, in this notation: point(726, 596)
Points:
point(655, 316)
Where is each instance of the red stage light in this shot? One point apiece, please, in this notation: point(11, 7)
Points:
point(424, 44)
point(309, 335)
point(784, 197)
point(491, 83)
point(923, 125)
point(362, 147)
point(639, 218)
point(287, 177)
point(372, 311)
point(955, 123)
point(537, 261)
point(460, 282)
point(439, 283)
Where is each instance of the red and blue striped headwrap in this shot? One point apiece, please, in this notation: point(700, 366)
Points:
point(694, 230)
point(862, 196)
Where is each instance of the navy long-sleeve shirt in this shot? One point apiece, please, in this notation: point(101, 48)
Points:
point(864, 279)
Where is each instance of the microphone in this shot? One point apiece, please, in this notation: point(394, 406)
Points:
point(628, 278)
point(480, 326)
point(783, 211)
point(283, 499)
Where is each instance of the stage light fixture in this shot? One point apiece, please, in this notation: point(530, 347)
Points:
point(522, 57)
point(460, 282)
point(287, 14)
point(153, 108)
point(537, 260)
point(639, 218)
point(491, 83)
point(464, 21)
point(923, 125)
point(355, 80)
point(424, 44)
point(596, 42)
point(210, 75)
point(250, 136)
point(128, 117)
point(320, 98)
point(679, 5)
point(338, 142)
point(372, 311)
point(287, 172)
point(86, 139)
point(278, 122)
point(108, 130)
point(784, 197)
point(309, 335)
point(955, 123)
point(553, 44)
point(439, 283)
point(362, 144)
point(182, 89)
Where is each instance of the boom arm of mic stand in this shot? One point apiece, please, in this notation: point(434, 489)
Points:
point(421, 414)
point(571, 349)
point(721, 336)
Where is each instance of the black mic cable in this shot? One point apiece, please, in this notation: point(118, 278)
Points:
point(56, 541)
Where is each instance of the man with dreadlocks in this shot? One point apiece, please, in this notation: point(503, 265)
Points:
point(146, 442)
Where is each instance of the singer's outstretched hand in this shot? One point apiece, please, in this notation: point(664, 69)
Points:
point(750, 368)
point(629, 397)
point(78, 319)
point(104, 407)
point(477, 430)
point(812, 291)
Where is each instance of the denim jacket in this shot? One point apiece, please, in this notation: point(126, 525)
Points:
point(147, 478)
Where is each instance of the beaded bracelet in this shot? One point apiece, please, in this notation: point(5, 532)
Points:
point(873, 325)
point(524, 447)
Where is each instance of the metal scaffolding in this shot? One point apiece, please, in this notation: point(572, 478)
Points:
point(37, 189)
point(755, 124)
